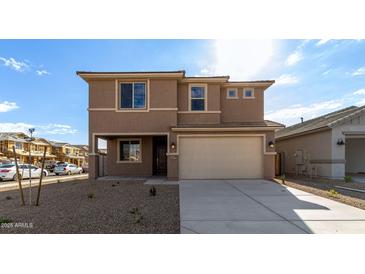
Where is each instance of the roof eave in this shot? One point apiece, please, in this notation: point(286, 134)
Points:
point(130, 75)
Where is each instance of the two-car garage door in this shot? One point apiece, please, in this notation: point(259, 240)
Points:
point(214, 157)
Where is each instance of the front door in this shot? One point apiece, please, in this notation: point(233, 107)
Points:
point(159, 155)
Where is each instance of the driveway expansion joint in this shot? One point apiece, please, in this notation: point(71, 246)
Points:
point(260, 203)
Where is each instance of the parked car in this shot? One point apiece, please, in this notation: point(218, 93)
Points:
point(67, 169)
point(50, 165)
point(8, 172)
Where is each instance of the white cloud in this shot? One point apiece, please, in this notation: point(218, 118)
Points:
point(286, 79)
point(291, 114)
point(58, 129)
point(240, 59)
point(42, 72)
point(14, 64)
point(53, 129)
point(322, 42)
point(293, 58)
point(15, 127)
point(7, 106)
point(326, 72)
point(359, 71)
point(359, 92)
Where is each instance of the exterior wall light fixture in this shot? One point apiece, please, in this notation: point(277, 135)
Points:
point(173, 146)
point(271, 144)
point(340, 141)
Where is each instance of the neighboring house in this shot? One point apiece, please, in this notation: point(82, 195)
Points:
point(84, 151)
point(164, 123)
point(331, 145)
point(68, 153)
point(21, 143)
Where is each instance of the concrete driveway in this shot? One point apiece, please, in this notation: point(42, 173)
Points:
point(260, 206)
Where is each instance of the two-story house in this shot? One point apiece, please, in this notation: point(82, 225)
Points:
point(68, 153)
point(165, 123)
point(22, 146)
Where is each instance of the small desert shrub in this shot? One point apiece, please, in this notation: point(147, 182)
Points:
point(153, 191)
point(91, 195)
point(137, 215)
point(5, 221)
point(333, 193)
point(282, 177)
point(348, 179)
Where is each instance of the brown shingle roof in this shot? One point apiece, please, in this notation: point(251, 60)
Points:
point(321, 122)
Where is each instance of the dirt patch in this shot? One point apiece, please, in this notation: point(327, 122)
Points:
point(324, 187)
point(94, 207)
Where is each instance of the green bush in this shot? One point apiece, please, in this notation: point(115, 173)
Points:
point(5, 221)
point(348, 179)
point(283, 179)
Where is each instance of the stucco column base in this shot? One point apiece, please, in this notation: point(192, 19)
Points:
point(269, 166)
point(93, 167)
point(172, 167)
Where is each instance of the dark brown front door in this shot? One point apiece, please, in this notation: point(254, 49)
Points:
point(159, 155)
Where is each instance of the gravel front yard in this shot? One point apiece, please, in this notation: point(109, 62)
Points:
point(321, 187)
point(93, 207)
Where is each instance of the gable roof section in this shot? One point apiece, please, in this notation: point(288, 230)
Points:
point(323, 122)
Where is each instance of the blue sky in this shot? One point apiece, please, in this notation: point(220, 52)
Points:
point(39, 87)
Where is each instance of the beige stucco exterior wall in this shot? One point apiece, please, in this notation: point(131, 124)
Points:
point(241, 109)
point(316, 147)
point(130, 169)
point(102, 94)
point(163, 93)
point(213, 104)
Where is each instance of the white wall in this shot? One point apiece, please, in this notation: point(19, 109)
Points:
point(338, 151)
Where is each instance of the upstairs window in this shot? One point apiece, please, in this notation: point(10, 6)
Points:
point(198, 97)
point(133, 95)
point(232, 93)
point(248, 93)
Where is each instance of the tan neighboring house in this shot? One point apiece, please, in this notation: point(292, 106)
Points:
point(165, 123)
point(331, 145)
point(68, 153)
point(19, 140)
point(84, 151)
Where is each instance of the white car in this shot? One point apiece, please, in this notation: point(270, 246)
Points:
point(8, 172)
point(67, 169)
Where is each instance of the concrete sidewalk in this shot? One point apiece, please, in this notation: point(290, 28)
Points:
point(260, 206)
point(10, 185)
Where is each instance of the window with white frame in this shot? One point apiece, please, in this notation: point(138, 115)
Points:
point(130, 150)
point(232, 93)
point(132, 95)
point(248, 93)
point(198, 95)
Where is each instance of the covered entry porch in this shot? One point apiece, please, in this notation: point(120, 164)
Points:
point(128, 155)
point(355, 154)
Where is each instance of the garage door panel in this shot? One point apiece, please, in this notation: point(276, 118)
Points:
point(220, 157)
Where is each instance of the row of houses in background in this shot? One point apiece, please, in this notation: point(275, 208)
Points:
point(56, 151)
